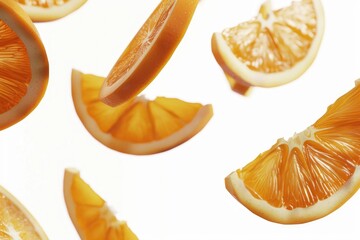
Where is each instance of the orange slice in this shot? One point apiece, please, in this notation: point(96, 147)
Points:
point(149, 51)
point(49, 10)
point(15, 220)
point(274, 48)
point(139, 126)
point(309, 175)
point(24, 65)
point(89, 213)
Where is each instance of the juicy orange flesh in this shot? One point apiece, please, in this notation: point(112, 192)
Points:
point(278, 47)
point(93, 215)
point(15, 71)
point(13, 222)
point(304, 175)
point(141, 42)
point(43, 3)
point(138, 120)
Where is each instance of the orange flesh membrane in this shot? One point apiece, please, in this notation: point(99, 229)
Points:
point(274, 41)
point(15, 71)
point(152, 117)
point(321, 159)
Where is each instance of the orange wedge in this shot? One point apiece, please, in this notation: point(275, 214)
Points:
point(274, 48)
point(309, 175)
point(89, 213)
point(139, 126)
point(149, 51)
point(24, 65)
point(49, 10)
point(15, 220)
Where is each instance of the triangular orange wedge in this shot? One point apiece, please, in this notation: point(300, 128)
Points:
point(274, 48)
point(24, 65)
point(138, 126)
point(16, 222)
point(309, 175)
point(149, 51)
point(89, 213)
point(49, 10)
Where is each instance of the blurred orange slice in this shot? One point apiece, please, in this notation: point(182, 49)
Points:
point(274, 48)
point(309, 175)
point(138, 126)
point(90, 214)
point(49, 10)
point(16, 222)
point(23, 62)
point(149, 51)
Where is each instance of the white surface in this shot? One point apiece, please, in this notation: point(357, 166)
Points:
point(179, 194)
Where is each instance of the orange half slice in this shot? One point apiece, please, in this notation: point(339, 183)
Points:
point(309, 175)
point(138, 126)
point(274, 48)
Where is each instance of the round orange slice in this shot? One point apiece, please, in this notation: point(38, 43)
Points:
point(274, 48)
point(138, 126)
point(149, 51)
point(49, 10)
point(16, 222)
point(309, 175)
point(24, 65)
point(89, 213)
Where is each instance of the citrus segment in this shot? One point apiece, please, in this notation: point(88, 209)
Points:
point(15, 220)
point(275, 47)
point(309, 175)
point(24, 65)
point(148, 51)
point(89, 213)
point(139, 126)
point(49, 10)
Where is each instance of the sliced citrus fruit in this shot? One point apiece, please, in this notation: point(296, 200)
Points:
point(309, 175)
point(24, 65)
point(149, 51)
point(89, 213)
point(49, 10)
point(275, 47)
point(16, 222)
point(138, 126)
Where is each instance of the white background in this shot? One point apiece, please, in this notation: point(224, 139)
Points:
point(178, 194)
